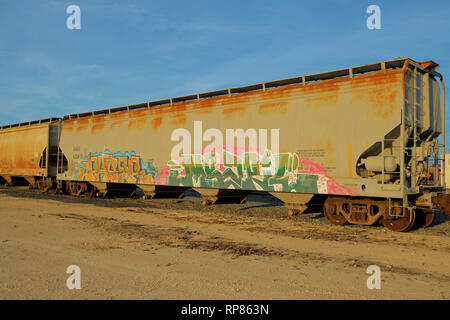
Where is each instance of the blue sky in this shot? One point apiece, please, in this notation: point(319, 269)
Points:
point(134, 51)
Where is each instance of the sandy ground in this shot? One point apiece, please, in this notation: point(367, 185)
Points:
point(175, 249)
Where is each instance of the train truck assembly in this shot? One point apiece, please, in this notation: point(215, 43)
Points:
point(361, 143)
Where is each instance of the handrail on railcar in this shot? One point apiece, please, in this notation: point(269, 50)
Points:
point(29, 123)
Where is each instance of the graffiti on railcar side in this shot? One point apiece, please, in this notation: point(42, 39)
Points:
point(254, 165)
point(123, 167)
point(247, 170)
point(281, 172)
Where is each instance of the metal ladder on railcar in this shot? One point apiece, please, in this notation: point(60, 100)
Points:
point(412, 151)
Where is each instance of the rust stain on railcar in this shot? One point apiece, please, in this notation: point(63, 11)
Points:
point(176, 107)
point(381, 100)
point(119, 115)
point(25, 147)
point(277, 93)
point(141, 113)
point(205, 106)
point(115, 124)
point(137, 123)
point(68, 126)
point(82, 124)
point(98, 124)
point(273, 108)
point(81, 129)
point(378, 99)
point(323, 100)
point(376, 78)
point(358, 81)
point(117, 119)
point(178, 120)
point(322, 94)
point(168, 108)
point(234, 112)
point(138, 118)
point(324, 87)
point(239, 98)
point(156, 122)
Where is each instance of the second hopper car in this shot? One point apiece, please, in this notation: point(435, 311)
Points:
point(28, 153)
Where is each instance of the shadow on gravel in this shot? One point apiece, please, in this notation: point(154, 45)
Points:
point(191, 200)
point(257, 205)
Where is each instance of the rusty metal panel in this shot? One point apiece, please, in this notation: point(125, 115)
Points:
point(324, 130)
point(22, 148)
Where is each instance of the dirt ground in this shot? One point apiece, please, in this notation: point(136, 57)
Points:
point(177, 249)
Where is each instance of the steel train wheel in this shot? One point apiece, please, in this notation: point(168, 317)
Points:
point(47, 186)
point(400, 224)
point(40, 186)
point(424, 217)
point(429, 218)
point(75, 189)
point(90, 193)
point(332, 211)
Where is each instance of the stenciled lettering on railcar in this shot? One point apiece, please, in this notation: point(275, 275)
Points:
point(311, 153)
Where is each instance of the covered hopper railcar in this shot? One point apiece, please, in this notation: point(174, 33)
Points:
point(360, 142)
point(28, 154)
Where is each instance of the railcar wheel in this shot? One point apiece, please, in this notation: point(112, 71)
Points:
point(75, 189)
point(53, 190)
point(400, 224)
point(90, 193)
point(40, 186)
point(332, 211)
point(424, 217)
point(429, 218)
